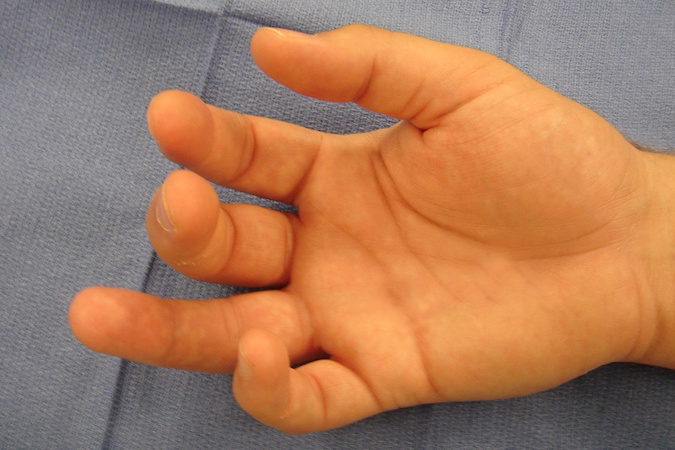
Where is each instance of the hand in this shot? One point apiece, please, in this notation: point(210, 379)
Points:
point(492, 244)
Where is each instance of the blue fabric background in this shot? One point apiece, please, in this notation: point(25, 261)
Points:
point(77, 168)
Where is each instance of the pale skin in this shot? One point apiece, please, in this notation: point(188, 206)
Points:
point(498, 241)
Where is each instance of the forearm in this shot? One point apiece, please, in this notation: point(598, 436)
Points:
point(659, 259)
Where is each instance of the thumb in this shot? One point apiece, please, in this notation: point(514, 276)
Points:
point(400, 75)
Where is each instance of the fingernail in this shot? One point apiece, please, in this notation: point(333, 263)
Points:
point(244, 367)
point(162, 212)
point(288, 33)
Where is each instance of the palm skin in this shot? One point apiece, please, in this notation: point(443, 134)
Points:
point(482, 248)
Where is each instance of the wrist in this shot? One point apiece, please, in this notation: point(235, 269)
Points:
point(656, 253)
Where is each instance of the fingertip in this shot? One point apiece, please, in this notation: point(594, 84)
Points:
point(317, 396)
point(262, 45)
point(94, 318)
point(264, 357)
point(263, 39)
point(193, 204)
point(234, 244)
point(123, 323)
point(290, 58)
point(261, 377)
point(183, 211)
point(179, 122)
point(78, 313)
point(265, 33)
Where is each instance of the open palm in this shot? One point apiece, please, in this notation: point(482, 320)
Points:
point(479, 249)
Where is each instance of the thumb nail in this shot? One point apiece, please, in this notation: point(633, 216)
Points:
point(289, 33)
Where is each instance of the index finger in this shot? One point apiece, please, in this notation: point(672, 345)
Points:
point(263, 157)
